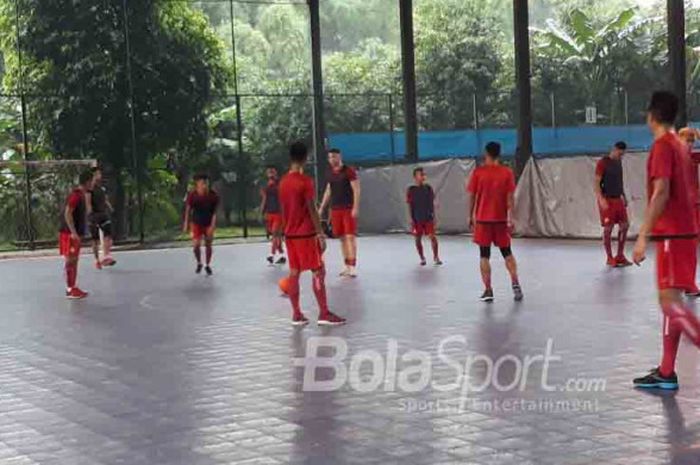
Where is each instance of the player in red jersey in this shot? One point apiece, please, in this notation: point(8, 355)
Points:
point(201, 204)
point(343, 194)
point(421, 209)
point(73, 225)
point(612, 203)
point(270, 207)
point(304, 237)
point(689, 136)
point(490, 203)
point(668, 222)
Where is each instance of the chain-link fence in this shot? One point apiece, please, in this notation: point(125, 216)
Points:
point(154, 118)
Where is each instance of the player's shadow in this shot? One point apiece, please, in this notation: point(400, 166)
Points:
point(679, 437)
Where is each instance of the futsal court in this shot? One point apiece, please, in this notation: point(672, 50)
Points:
point(162, 366)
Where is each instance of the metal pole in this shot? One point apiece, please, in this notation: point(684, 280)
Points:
point(553, 109)
point(475, 113)
point(522, 71)
point(408, 66)
point(132, 117)
point(391, 129)
point(243, 165)
point(319, 130)
point(676, 56)
point(25, 139)
point(627, 108)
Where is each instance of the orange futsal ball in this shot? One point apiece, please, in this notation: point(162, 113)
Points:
point(284, 285)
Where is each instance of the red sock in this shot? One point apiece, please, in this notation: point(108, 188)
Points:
point(198, 253)
point(434, 243)
point(682, 319)
point(419, 247)
point(294, 295)
point(352, 261)
point(208, 251)
point(671, 341)
point(607, 242)
point(319, 284)
point(71, 274)
point(621, 239)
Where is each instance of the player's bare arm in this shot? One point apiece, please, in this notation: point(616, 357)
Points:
point(355, 185)
point(602, 202)
point(186, 221)
point(68, 215)
point(316, 220)
point(325, 200)
point(656, 206)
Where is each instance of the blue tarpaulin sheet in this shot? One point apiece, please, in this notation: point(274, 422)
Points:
point(562, 141)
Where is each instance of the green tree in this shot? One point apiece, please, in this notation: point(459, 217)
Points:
point(75, 59)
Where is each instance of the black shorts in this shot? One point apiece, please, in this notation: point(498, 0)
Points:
point(100, 222)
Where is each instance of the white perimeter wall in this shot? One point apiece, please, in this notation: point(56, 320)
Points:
point(554, 197)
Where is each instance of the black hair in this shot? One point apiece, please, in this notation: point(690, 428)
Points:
point(85, 177)
point(271, 167)
point(298, 152)
point(334, 150)
point(200, 177)
point(95, 169)
point(621, 145)
point(493, 149)
point(663, 107)
point(418, 169)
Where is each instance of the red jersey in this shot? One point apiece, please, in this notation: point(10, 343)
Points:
point(342, 195)
point(203, 207)
point(76, 201)
point(668, 159)
point(491, 185)
point(295, 190)
point(693, 161)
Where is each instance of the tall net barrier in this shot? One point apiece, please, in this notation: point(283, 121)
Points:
point(32, 198)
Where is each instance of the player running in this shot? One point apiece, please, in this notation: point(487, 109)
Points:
point(304, 237)
point(421, 208)
point(100, 221)
point(689, 136)
point(201, 204)
point(612, 203)
point(343, 194)
point(270, 207)
point(73, 222)
point(490, 203)
point(668, 222)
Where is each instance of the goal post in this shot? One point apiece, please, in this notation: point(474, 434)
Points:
point(32, 197)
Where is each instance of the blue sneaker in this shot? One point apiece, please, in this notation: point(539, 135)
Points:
point(654, 380)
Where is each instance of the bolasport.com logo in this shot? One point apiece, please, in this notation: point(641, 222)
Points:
point(329, 366)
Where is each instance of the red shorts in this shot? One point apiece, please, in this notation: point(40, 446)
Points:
point(304, 253)
point(423, 228)
point(199, 231)
point(273, 221)
point(343, 223)
point(67, 246)
point(616, 213)
point(486, 234)
point(676, 260)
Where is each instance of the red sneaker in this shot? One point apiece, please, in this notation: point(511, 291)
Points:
point(622, 261)
point(611, 262)
point(76, 294)
point(98, 264)
point(300, 320)
point(330, 319)
point(109, 261)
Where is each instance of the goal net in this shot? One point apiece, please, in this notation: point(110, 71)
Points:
point(32, 197)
